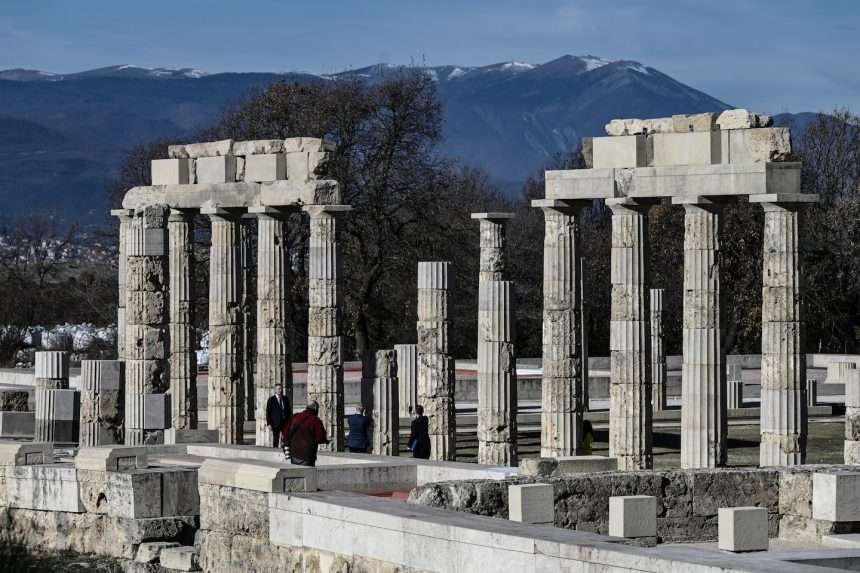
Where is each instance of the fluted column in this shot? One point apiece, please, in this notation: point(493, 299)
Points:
point(386, 409)
point(783, 362)
point(124, 216)
point(629, 333)
point(226, 390)
point(147, 326)
point(658, 354)
point(851, 447)
point(274, 364)
point(407, 377)
point(52, 373)
point(183, 338)
point(102, 402)
point(249, 329)
point(497, 365)
point(583, 330)
point(562, 404)
point(703, 375)
point(325, 355)
point(435, 366)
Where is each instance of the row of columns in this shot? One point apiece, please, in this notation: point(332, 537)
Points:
point(156, 313)
point(637, 364)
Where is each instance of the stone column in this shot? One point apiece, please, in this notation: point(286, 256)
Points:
point(629, 332)
point(249, 329)
point(584, 330)
point(226, 390)
point(734, 386)
point(325, 355)
point(147, 328)
point(386, 409)
point(562, 404)
point(811, 392)
point(852, 418)
point(274, 364)
point(783, 361)
point(407, 378)
point(124, 216)
point(497, 369)
point(436, 376)
point(703, 375)
point(658, 355)
point(52, 373)
point(102, 402)
point(183, 337)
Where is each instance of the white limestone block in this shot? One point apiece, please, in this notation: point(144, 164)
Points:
point(624, 151)
point(756, 145)
point(841, 541)
point(302, 165)
point(150, 551)
point(265, 167)
point(691, 148)
point(742, 119)
point(52, 365)
point(156, 411)
point(583, 464)
point(205, 149)
point(258, 147)
point(633, 516)
point(171, 171)
point(308, 144)
point(258, 475)
point(851, 379)
point(836, 496)
point(742, 529)
point(43, 488)
point(684, 123)
point(634, 126)
point(113, 458)
point(219, 169)
point(531, 503)
point(25, 453)
point(180, 559)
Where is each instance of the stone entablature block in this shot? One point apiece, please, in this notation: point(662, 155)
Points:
point(742, 529)
point(117, 458)
point(25, 453)
point(259, 476)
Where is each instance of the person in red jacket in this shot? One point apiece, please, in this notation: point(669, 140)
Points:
point(304, 433)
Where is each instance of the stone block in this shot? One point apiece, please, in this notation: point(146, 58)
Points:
point(156, 411)
point(623, 151)
point(634, 126)
point(811, 393)
point(259, 476)
point(531, 503)
point(150, 551)
point(742, 119)
point(219, 169)
point(537, 466)
point(743, 529)
point(585, 464)
point(180, 559)
point(25, 453)
point(171, 171)
point(694, 122)
point(198, 436)
point(836, 496)
point(691, 148)
point(43, 488)
point(841, 541)
point(756, 145)
point(258, 147)
point(17, 424)
point(204, 149)
point(113, 458)
point(179, 492)
point(267, 167)
point(633, 516)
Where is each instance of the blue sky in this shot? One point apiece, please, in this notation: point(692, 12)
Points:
point(770, 55)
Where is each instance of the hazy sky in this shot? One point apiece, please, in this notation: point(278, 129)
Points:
point(771, 55)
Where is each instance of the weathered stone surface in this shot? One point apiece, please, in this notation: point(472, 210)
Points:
point(180, 558)
point(758, 145)
point(694, 122)
point(258, 147)
point(639, 126)
point(14, 401)
point(205, 149)
point(742, 119)
point(386, 409)
point(102, 402)
point(220, 169)
point(25, 454)
point(183, 337)
point(171, 171)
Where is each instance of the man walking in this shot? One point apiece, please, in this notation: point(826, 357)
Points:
point(304, 433)
point(358, 439)
point(278, 413)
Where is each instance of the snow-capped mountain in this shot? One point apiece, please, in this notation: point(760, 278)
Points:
point(509, 118)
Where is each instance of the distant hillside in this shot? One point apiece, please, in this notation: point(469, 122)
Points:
point(62, 136)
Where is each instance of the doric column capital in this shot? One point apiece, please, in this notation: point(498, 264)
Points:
point(628, 205)
point(122, 214)
point(181, 215)
point(498, 218)
point(316, 211)
point(569, 207)
point(277, 213)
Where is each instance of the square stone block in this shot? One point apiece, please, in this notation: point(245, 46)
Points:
point(691, 148)
point(620, 151)
point(267, 167)
point(836, 496)
point(220, 169)
point(25, 453)
point(171, 171)
point(156, 411)
point(67, 405)
point(742, 529)
point(633, 516)
point(531, 503)
point(17, 424)
point(180, 559)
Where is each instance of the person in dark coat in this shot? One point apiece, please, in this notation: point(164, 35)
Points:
point(419, 437)
point(358, 440)
point(304, 433)
point(278, 413)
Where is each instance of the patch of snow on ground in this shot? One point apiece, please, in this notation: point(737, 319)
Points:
point(638, 68)
point(593, 62)
point(517, 66)
point(456, 73)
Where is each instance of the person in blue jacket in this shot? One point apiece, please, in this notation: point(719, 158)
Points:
point(358, 440)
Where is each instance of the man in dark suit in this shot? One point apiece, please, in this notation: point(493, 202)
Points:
point(278, 412)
